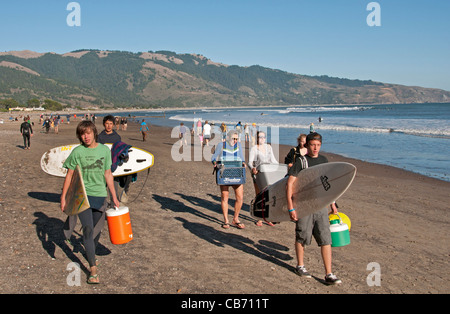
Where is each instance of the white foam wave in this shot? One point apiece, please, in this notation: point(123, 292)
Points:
point(324, 108)
point(381, 128)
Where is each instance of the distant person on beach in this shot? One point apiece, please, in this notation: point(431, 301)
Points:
point(311, 128)
point(238, 128)
point(94, 160)
point(206, 133)
point(124, 123)
point(296, 152)
point(117, 123)
point(316, 224)
point(56, 122)
point(223, 129)
point(182, 135)
point(46, 124)
point(27, 132)
point(230, 150)
point(253, 131)
point(261, 153)
point(199, 127)
point(247, 132)
point(144, 130)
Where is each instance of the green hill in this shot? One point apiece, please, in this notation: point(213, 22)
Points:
point(87, 78)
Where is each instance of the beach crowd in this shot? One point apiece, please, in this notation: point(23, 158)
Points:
point(226, 148)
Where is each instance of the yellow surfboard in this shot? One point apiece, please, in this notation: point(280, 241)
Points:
point(76, 197)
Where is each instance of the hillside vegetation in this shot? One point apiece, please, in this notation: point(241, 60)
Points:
point(92, 78)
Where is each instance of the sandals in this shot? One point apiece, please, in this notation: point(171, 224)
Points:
point(238, 224)
point(93, 280)
point(259, 223)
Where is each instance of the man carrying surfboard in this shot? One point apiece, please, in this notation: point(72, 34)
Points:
point(94, 159)
point(316, 224)
point(109, 135)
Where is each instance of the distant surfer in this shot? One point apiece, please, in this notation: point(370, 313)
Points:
point(27, 132)
point(316, 224)
point(96, 180)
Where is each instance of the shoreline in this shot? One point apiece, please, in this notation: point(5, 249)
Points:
point(5, 116)
point(178, 244)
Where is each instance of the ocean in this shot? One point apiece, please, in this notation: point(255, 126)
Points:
point(414, 137)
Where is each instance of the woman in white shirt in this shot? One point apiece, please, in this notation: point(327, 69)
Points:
point(261, 153)
point(207, 132)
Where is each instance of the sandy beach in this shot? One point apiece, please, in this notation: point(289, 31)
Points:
point(400, 221)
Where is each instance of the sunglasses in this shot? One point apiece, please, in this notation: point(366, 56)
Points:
point(235, 138)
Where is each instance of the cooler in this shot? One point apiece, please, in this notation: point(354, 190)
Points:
point(269, 174)
point(119, 225)
point(230, 173)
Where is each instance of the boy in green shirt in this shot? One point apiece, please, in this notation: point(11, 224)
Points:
point(94, 160)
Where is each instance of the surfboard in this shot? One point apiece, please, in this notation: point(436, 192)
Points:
point(315, 188)
point(52, 161)
point(76, 197)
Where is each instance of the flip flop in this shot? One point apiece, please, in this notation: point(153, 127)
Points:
point(239, 225)
point(226, 226)
point(89, 281)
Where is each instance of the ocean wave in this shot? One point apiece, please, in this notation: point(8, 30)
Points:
point(329, 127)
point(322, 109)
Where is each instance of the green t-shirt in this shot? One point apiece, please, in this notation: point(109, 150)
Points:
point(93, 163)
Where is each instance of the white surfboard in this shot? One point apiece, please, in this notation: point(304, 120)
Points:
point(52, 161)
point(315, 188)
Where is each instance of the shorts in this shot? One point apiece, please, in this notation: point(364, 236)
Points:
point(316, 225)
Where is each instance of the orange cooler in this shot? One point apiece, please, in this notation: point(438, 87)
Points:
point(119, 225)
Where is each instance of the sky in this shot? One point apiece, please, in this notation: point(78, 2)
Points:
point(411, 46)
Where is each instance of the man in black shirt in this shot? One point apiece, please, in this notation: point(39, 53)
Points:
point(110, 136)
point(316, 224)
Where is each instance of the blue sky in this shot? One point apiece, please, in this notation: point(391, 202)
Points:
point(313, 37)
